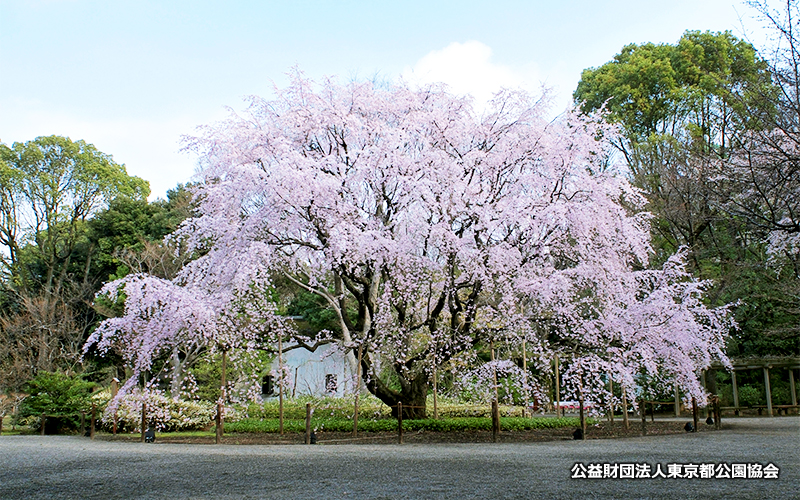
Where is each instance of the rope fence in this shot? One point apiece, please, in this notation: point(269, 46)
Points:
point(400, 412)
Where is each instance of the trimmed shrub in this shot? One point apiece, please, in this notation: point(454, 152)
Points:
point(61, 397)
point(390, 425)
point(749, 396)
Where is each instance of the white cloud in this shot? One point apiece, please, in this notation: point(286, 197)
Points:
point(467, 68)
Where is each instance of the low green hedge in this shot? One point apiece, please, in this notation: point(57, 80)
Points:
point(390, 425)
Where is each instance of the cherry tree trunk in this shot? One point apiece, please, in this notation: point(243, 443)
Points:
point(413, 395)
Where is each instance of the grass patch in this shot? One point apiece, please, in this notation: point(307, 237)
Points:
point(462, 424)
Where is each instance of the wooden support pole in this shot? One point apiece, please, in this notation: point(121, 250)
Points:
point(735, 393)
point(91, 423)
point(223, 397)
point(280, 386)
point(144, 419)
point(625, 409)
point(677, 402)
point(611, 400)
point(494, 375)
point(643, 412)
point(116, 419)
point(294, 384)
point(435, 393)
point(495, 421)
point(525, 378)
point(792, 387)
point(400, 423)
point(694, 413)
point(558, 390)
point(652, 411)
point(704, 381)
point(717, 414)
point(308, 423)
point(768, 391)
point(358, 390)
point(44, 419)
point(223, 377)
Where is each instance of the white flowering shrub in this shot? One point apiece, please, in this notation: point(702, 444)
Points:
point(163, 413)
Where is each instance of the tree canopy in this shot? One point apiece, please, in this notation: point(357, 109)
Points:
point(686, 112)
point(430, 232)
point(70, 218)
point(50, 186)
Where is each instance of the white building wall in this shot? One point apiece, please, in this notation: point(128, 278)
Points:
point(308, 371)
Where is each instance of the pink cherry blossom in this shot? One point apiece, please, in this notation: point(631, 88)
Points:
point(431, 231)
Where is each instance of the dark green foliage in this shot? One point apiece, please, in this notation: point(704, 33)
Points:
point(71, 218)
point(129, 224)
point(207, 373)
point(767, 315)
point(679, 90)
point(61, 397)
point(51, 186)
point(314, 310)
point(749, 396)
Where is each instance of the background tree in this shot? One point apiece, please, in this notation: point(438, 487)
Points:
point(760, 179)
point(676, 106)
point(56, 185)
point(70, 219)
point(682, 109)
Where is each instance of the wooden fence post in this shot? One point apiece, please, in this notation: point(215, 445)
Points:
point(308, 423)
point(218, 434)
point(91, 423)
point(495, 421)
point(400, 423)
point(44, 419)
point(144, 419)
point(694, 413)
point(652, 411)
point(582, 414)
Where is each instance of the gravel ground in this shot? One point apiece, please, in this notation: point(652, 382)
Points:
point(75, 467)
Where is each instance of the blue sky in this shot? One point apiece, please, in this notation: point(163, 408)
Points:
point(131, 77)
